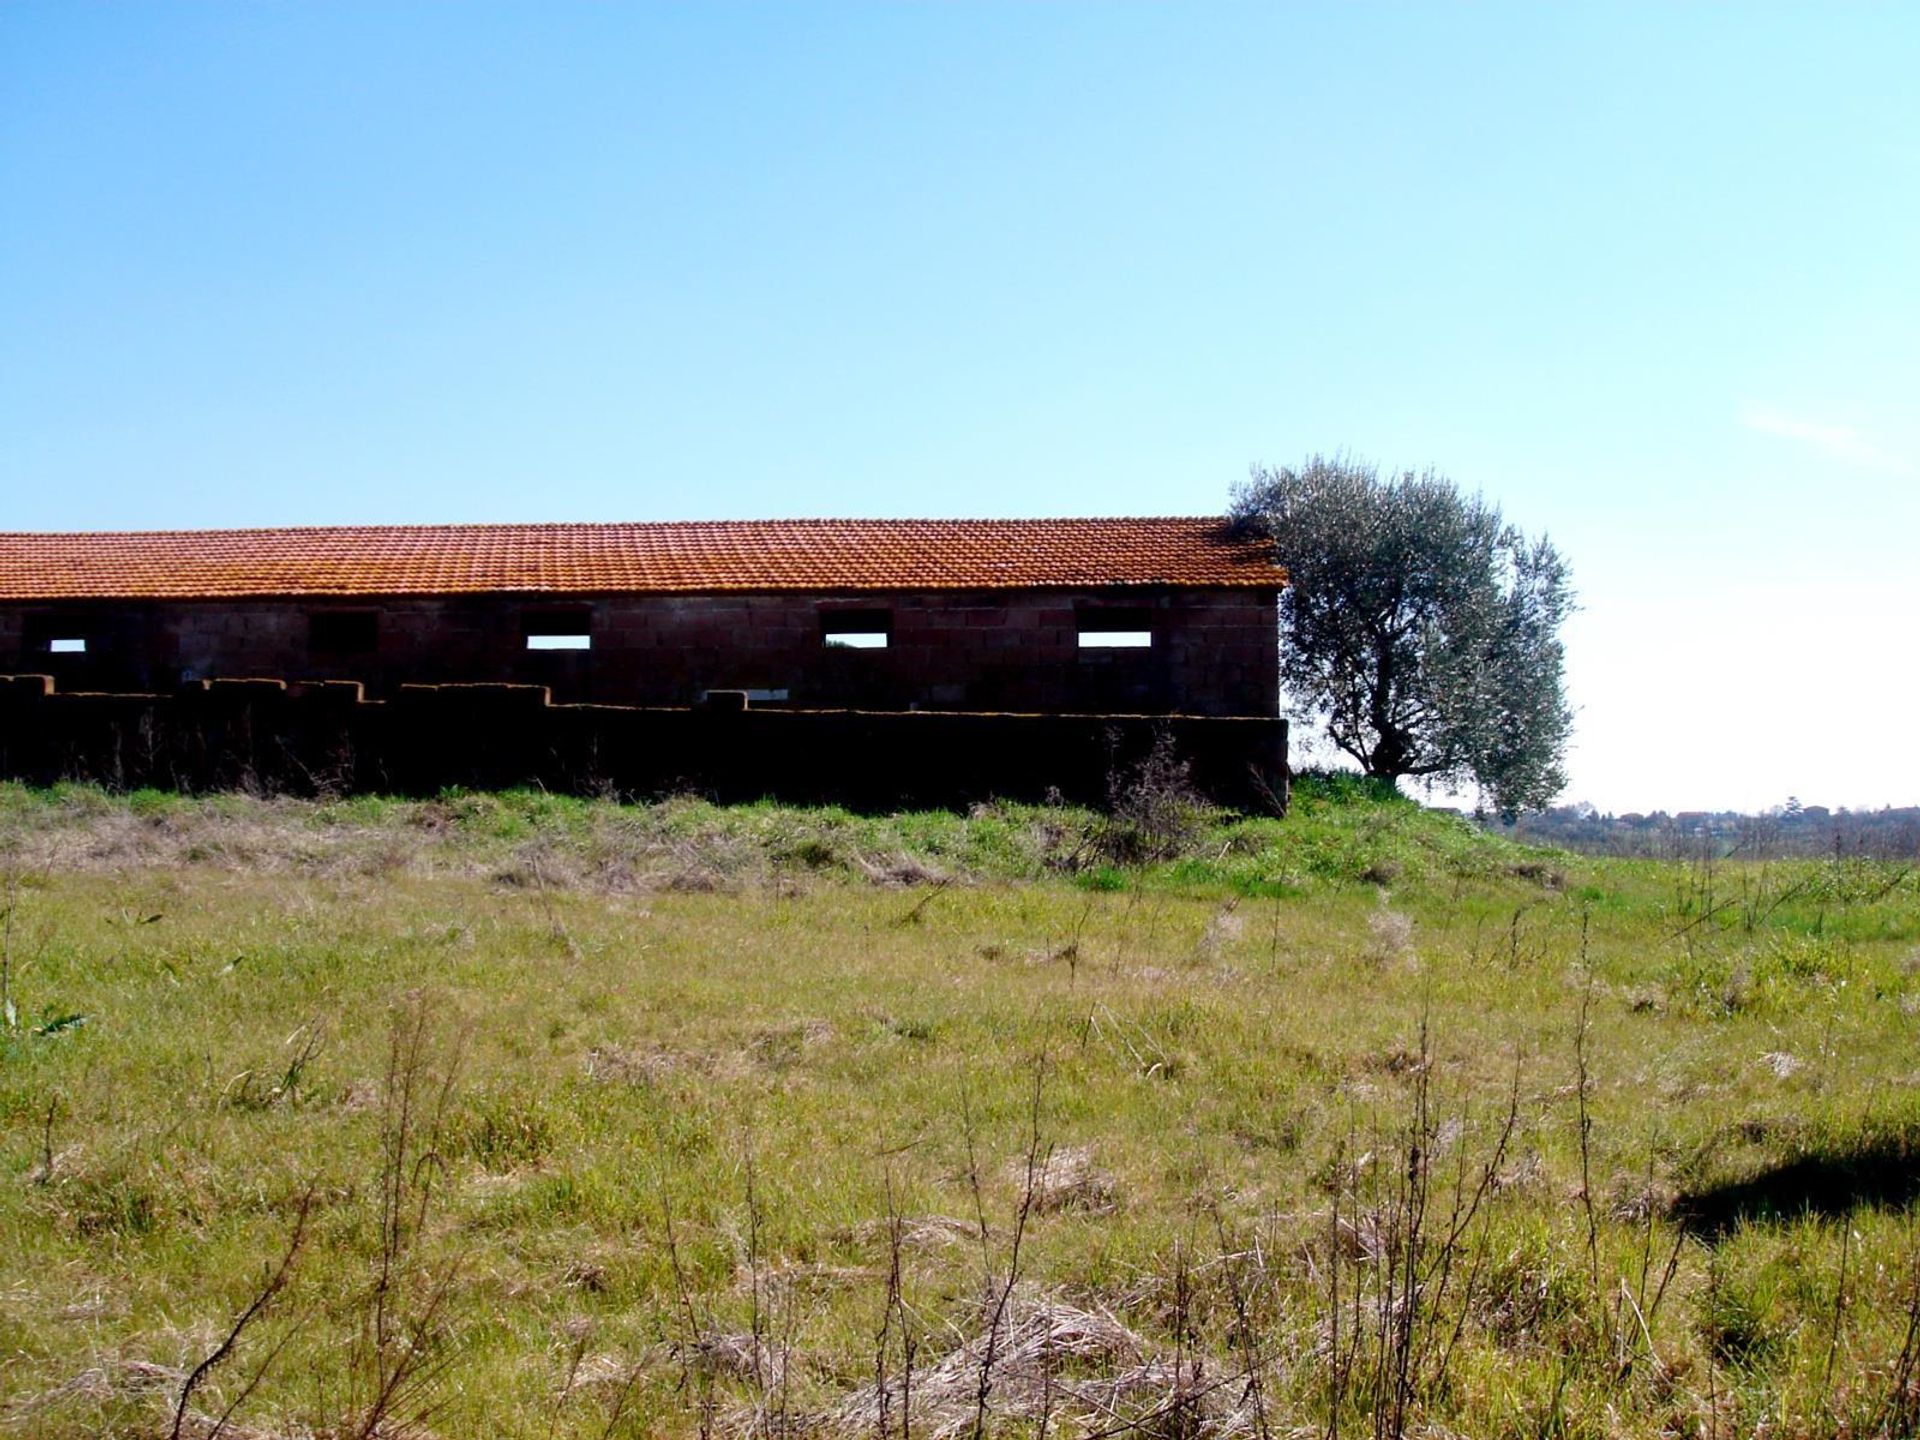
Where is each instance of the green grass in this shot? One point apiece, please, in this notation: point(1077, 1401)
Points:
point(698, 1060)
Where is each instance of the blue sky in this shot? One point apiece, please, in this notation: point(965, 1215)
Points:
point(1647, 276)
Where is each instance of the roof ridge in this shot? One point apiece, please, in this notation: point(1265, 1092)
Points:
point(472, 525)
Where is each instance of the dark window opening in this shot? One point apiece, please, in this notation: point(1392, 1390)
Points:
point(343, 632)
point(1114, 627)
point(57, 635)
point(856, 629)
point(559, 629)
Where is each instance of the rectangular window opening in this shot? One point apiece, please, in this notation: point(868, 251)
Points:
point(342, 632)
point(856, 629)
point(560, 629)
point(1113, 627)
point(51, 633)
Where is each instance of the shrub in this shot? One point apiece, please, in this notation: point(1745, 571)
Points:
point(1153, 811)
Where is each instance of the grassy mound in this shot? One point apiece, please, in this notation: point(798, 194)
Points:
point(1341, 831)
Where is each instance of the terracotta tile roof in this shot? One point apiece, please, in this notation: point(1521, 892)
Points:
point(664, 558)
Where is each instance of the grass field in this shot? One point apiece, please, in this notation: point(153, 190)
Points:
point(520, 1116)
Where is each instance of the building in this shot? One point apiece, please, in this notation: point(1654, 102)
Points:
point(1142, 616)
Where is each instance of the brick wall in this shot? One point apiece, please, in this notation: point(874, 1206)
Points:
point(1213, 652)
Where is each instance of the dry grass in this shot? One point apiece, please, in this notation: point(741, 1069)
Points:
point(1049, 1364)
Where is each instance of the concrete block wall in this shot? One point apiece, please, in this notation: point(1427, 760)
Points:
point(1214, 652)
point(326, 737)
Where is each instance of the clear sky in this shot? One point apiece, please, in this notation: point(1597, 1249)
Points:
point(1649, 277)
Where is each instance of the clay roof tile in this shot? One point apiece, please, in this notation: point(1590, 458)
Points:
point(682, 557)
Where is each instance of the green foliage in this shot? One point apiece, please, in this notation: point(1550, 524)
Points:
point(504, 1130)
point(1419, 625)
point(116, 1204)
point(1744, 1317)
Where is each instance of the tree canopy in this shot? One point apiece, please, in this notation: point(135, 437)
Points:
point(1419, 626)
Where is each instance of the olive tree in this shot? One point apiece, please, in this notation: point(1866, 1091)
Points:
point(1418, 626)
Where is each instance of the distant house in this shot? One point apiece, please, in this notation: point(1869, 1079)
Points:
point(1155, 616)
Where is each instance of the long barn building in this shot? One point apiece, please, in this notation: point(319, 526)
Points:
point(1144, 616)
